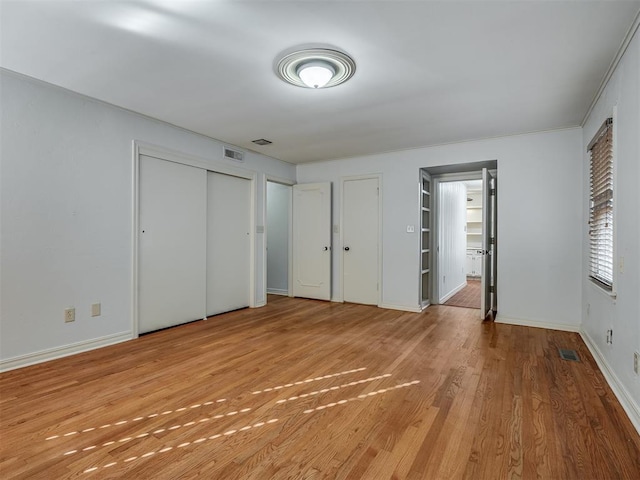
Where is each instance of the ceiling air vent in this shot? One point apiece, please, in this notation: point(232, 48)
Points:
point(232, 154)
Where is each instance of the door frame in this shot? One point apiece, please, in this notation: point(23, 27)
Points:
point(435, 217)
point(150, 150)
point(378, 177)
point(288, 183)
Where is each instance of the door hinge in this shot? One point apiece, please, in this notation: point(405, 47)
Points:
point(492, 192)
point(492, 241)
point(492, 289)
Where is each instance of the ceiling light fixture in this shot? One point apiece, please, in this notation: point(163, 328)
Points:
point(316, 68)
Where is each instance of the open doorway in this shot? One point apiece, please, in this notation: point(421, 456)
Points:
point(278, 238)
point(461, 245)
point(468, 244)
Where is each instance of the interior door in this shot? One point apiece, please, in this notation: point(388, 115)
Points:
point(172, 244)
point(488, 235)
point(312, 240)
point(360, 241)
point(228, 243)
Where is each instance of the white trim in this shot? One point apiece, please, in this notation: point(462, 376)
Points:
point(280, 180)
point(135, 241)
point(343, 180)
point(403, 308)
point(155, 151)
point(523, 322)
point(252, 238)
point(277, 291)
point(64, 351)
point(612, 68)
point(211, 165)
point(630, 406)
point(452, 293)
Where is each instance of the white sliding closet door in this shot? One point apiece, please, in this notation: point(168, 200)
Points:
point(228, 243)
point(172, 244)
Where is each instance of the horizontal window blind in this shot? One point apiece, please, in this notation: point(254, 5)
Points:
point(601, 206)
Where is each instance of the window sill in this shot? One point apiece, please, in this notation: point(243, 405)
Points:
point(612, 295)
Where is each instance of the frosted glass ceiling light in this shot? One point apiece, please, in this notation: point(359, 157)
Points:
point(316, 68)
point(315, 74)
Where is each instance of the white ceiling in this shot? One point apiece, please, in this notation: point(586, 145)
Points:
point(427, 72)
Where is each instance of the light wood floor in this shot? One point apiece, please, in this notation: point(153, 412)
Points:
point(304, 389)
point(468, 297)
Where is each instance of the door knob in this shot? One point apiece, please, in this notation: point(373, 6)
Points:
point(346, 249)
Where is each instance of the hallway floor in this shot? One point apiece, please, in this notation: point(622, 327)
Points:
point(468, 297)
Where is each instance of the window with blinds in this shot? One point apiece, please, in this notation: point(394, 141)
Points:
point(601, 206)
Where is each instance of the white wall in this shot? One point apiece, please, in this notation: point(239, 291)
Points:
point(601, 312)
point(278, 208)
point(539, 220)
point(452, 238)
point(66, 224)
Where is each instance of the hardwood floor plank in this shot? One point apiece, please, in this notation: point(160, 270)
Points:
point(303, 389)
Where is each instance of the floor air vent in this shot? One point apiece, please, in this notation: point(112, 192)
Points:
point(568, 355)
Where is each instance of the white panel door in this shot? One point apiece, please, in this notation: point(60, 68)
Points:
point(312, 240)
point(172, 244)
point(360, 241)
point(488, 253)
point(228, 243)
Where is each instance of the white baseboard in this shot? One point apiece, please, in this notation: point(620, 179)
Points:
point(401, 307)
point(452, 293)
point(628, 403)
point(277, 291)
point(537, 324)
point(65, 351)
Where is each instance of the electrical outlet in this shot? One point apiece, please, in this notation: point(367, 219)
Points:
point(69, 314)
point(95, 310)
point(636, 362)
point(588, 309)
point(610, 337)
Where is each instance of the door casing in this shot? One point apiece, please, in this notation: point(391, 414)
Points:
point(465, 174)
